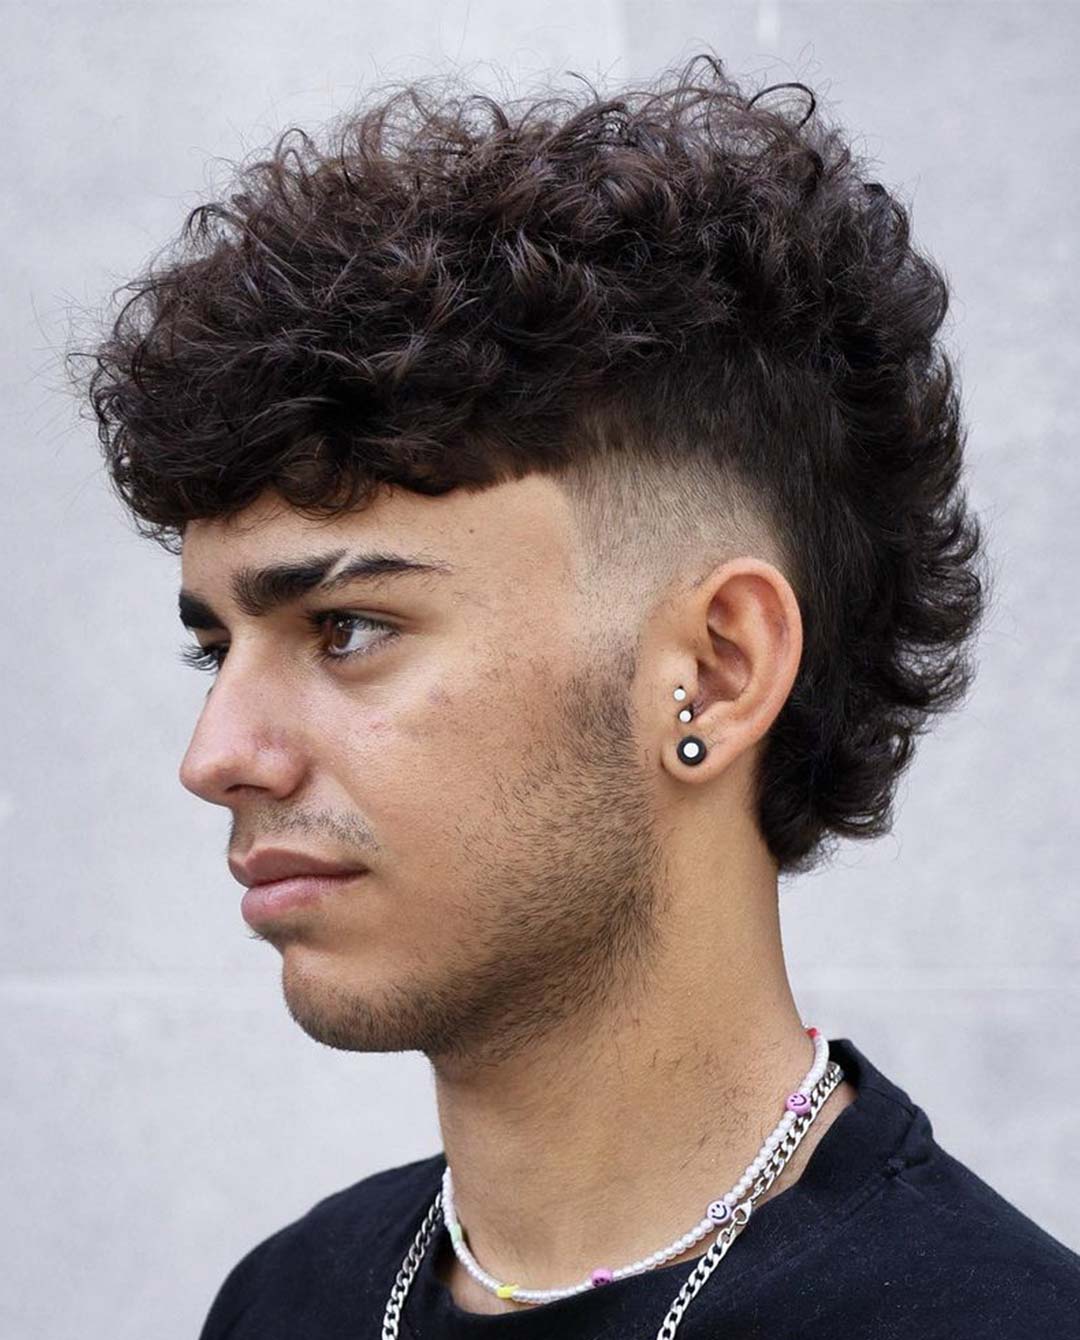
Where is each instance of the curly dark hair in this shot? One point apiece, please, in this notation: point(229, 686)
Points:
point(686, 305)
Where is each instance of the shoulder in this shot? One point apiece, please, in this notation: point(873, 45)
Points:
point(339, 1226)
point(911, 1241)
point(975, 1217)
point(962, 1259)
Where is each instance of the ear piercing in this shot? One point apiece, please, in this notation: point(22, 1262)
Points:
point(691, 748)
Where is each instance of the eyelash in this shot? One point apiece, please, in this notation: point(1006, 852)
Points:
point(210, 657)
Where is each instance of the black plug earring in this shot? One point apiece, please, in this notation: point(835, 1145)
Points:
point(691, 748)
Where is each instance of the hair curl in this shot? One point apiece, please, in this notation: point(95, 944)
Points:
point(688, 306)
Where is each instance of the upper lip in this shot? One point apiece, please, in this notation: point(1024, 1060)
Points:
point(269, 863)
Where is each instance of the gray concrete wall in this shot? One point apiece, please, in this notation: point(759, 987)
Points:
point(160, 1112)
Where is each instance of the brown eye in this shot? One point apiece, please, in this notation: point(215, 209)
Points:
point(345, 625)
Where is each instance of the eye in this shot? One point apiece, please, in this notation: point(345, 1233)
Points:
point(211, 656)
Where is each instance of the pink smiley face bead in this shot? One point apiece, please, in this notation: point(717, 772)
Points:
point(719, 1211)
point(799, 1103)
point(601, 1276)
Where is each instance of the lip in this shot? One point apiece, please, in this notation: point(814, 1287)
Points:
point(263, 902)
point(270, 864)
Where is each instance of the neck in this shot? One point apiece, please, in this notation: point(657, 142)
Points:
point(609, 1138)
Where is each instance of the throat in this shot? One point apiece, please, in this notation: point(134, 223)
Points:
point(472, 1297)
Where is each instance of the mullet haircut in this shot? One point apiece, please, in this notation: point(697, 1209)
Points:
point(687, 306)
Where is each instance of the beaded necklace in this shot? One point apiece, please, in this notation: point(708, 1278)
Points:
point(729, 1213)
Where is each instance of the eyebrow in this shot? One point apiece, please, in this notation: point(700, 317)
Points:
point(258, 591)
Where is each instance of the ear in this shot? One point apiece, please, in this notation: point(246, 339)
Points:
point(736, 644)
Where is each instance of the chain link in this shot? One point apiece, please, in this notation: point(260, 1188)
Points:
point(705, 1265)
point(727, 1235)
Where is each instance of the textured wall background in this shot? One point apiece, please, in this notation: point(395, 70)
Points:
point(160, 1112)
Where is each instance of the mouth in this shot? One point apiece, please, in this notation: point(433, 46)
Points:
point(265, 902)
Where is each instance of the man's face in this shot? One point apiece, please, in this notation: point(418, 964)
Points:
point(477, 755)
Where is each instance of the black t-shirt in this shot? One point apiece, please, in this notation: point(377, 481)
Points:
point(884, 1235)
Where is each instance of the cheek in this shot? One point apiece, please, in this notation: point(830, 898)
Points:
point(423, 780)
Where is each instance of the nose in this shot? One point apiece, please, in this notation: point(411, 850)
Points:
point(240, 741)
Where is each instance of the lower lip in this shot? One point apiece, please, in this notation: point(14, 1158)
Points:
point(263, 902)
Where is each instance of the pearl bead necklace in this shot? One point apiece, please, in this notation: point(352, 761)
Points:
point(718, 1213)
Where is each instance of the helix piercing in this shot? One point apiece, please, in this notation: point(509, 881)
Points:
point(691, 748)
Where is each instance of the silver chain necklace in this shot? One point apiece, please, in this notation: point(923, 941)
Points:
point(705, 1265)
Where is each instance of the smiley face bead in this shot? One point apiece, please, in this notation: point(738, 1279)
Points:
point(799, 1103)
point(719, 1211)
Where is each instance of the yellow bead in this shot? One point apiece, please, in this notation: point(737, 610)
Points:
point(506, 1290)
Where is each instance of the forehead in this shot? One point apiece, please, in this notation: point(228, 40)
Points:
point(517, 535)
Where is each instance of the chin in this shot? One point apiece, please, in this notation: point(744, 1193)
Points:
point(347, 1010)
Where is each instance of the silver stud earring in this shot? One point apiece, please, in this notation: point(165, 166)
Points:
point(691, 748)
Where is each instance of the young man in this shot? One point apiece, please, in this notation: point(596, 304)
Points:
point(569, 505)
